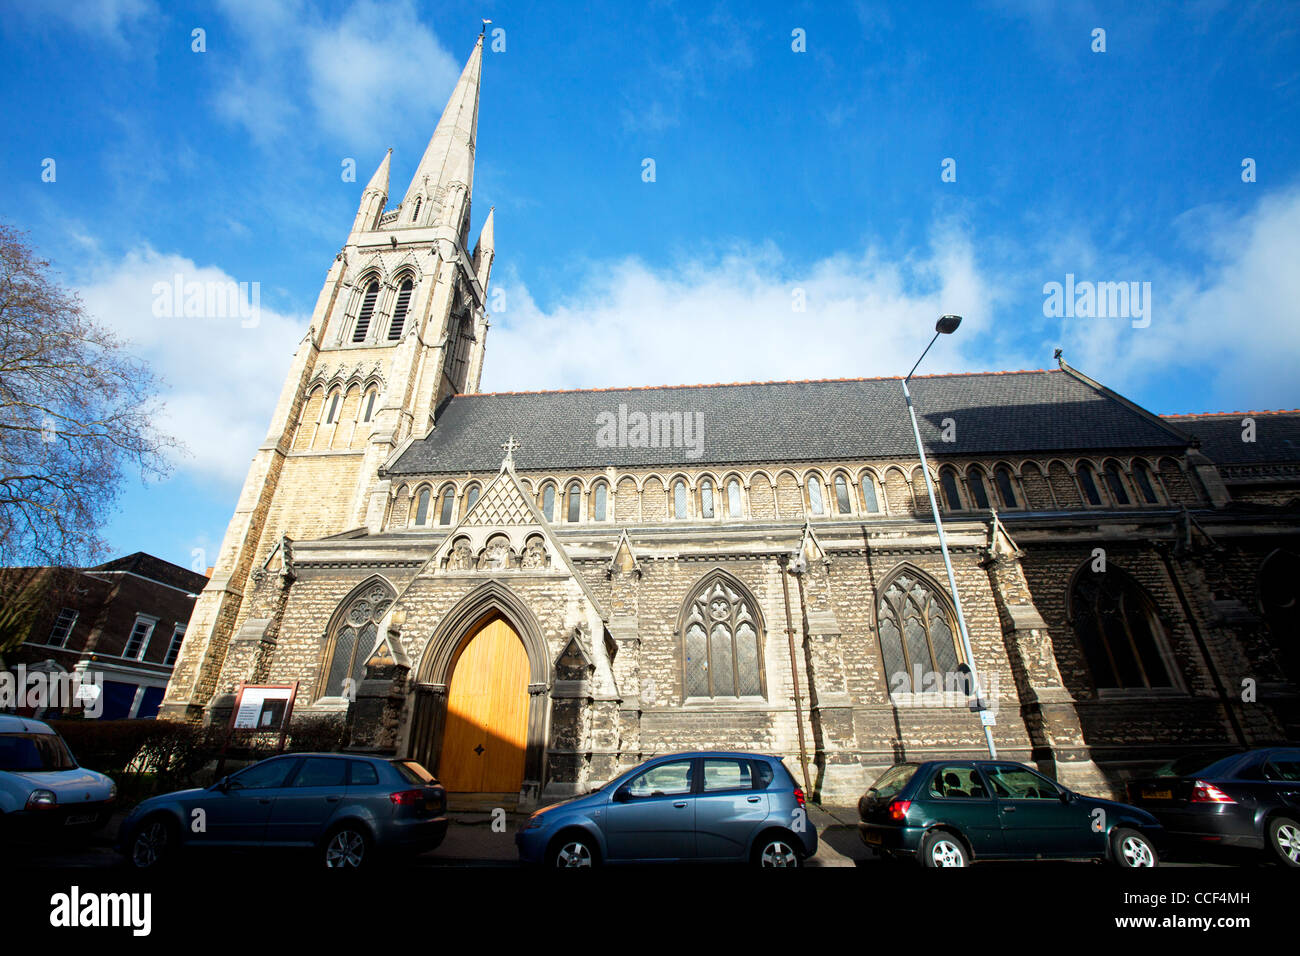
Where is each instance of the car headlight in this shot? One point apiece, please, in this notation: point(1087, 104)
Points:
point(535, 822)
point(42, 800)
point(112, 790)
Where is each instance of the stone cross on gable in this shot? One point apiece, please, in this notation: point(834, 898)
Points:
point(509, 445)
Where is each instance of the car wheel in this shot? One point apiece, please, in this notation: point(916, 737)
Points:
point(1131, 850)
point(573, 850)
point(776, 850)
point(153, 843)
point(941, 848)
point(347, 848)
point(1284, 840)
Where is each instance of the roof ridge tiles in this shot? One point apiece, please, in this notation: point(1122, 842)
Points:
point(1262, 411)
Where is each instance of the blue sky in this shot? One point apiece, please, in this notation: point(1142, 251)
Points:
point(779, 175)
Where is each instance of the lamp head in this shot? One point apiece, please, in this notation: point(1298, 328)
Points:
point(947, 324)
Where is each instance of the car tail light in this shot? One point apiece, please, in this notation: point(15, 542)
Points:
point(42, 800)
point(1203, 792)
point(898, 809)
point(406, 798)
point(799, 797)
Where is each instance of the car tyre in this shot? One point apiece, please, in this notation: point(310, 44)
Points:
point(943, 849)
point(347, 847)
point(153, 843)
point(1284, 840)
point(1129, 849)
point(573, 851)
point(776, 850)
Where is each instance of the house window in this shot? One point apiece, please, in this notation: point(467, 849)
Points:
point(62, 629)
point(1088, 482)
point(174, 647)
point(574, 496)
point(548, 502)
point(916, 629)
point(706, 499)
point(353, 638)
point(139, 639)
point(448, 506)
point(400, 309)
point(975, 482)
point(721, 637)
point(1118, 629)
point(422, 507)
point(367, 311)
point(1006, 490)
point(815, 503)
point(1142, 474)
point(599, 506)
point(733, 498)
point(1116, 484)
point(870, 501)
point(679, 499)
point(842, 503)
point(948, 482)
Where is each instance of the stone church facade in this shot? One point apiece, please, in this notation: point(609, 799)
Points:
point(529, 592)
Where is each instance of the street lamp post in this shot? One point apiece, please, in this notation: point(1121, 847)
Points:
point(946, 326)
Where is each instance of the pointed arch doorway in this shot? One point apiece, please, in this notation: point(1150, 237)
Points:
point(486, 736)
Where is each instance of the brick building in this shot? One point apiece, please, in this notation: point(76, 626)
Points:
point(123, 620)
point(737, 566)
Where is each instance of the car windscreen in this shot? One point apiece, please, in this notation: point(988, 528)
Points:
point(892, 780)
point(34, 752)
point(1205, 764)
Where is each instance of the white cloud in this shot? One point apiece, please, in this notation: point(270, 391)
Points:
point(223, 380)
point(107, 20)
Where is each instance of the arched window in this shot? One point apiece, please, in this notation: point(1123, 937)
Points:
point(1088, 482)
point(679, 499)
point(1118, 629)
point(870, 497)
point(815, 503)
point(370, 406)
point(916, 628)
point(975, 482)
point(400, 309)
point(548, 502)
point(733, 499)
point(367, 311)
point(948, 482)
point(1145, 482)
point(1279, 599)
point(1006, 489)
point(722, 644)
point(422, 507)
point(1118, 493)
point(333, 409)
point(842, 503)
point(415, 213)
point(573, 503)
point(471, 497)
point(706, 498)
point(352, 638)
point(447, 504)
point(600, 501)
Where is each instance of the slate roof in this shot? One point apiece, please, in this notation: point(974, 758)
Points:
point(1277, 436)
point(839, 419)
point(155, 569)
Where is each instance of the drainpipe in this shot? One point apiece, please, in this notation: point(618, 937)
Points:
point(794, 674)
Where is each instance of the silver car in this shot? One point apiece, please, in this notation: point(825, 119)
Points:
point(42, 790)
point(702, 807)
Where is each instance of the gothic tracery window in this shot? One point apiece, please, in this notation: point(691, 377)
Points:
point(916, 628)
point(353, 639)
point(722, 645)
point(1118, 628)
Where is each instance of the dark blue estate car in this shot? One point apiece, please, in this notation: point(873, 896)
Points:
point(707, 807)
point(955, 812)
point(346, 807)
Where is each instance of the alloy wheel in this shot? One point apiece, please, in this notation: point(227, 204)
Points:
point(947, 853)
point(150, 844)
point(1286, 838)
point(778, 853)
point(573, 854)
point(1136, 852)
point(345, 850)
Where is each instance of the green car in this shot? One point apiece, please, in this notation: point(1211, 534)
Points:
point(957, 812)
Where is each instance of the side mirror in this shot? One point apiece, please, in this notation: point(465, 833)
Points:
point(223, 784)
point(1066, 796)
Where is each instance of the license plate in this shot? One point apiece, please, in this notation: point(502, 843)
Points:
point(79, 819)
point(871, 836)
point(1153, 794)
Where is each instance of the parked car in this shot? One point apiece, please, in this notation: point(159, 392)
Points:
point(958, 812)
point(42, 790)
point(708, 807)
point(348, 808)
point(1246, 800)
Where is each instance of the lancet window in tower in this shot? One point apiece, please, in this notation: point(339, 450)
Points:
point(367, 311)
point(460, 334)
point(400, 309)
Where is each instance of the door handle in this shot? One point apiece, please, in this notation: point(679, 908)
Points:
point(753, 799)
point(333, 799)
point(1008, 809)
point(680, 804)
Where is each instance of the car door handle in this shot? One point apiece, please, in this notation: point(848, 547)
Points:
point(680, 804)
point(1008, 809)
point(753, 799)
point(333, 799)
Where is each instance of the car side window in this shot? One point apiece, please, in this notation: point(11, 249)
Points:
point(1284, 766)
point(266, 775)
point(727, 775)
point(1017, 783)
point(363, 774)
point(665, 780)
point(956, 782)
point(321, 772)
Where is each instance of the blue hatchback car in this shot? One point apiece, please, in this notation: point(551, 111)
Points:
point(698, 807)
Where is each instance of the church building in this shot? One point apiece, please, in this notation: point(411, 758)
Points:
point(530, 592)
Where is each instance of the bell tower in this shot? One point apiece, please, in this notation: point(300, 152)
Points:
point(399, 325)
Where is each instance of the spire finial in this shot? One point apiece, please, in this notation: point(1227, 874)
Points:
point(509, 445)
point(486, 21)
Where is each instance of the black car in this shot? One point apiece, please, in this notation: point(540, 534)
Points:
point(956, 812)
point(1245, 800)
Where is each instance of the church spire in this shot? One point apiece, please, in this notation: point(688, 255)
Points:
point(449, 159)
point(373, 198)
